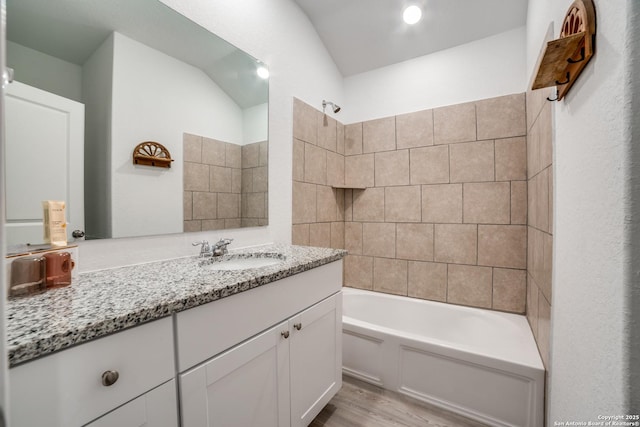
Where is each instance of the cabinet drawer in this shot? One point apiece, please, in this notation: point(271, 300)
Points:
point(66, 388)
point(205, 331)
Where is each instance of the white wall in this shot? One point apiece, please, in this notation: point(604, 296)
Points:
point(158, 99)
point(97, 77)
point(255, 123)
point(299, 66)
point(590, 367)
point(45, 72)
point(485, 68)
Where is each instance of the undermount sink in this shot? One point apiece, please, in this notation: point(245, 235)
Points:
point(236, 262)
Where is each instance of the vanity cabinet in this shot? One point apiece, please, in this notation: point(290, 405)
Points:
point(282, 377)
point(234, 372)
point(67, 389)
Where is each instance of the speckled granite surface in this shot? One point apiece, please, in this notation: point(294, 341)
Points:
point(107, 301)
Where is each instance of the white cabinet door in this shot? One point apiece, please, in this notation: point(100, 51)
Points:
point(157, 408)
point(316, 358)
point(44, 160)
point(245, 386)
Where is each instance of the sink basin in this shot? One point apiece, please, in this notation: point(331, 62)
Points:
point(236, 262)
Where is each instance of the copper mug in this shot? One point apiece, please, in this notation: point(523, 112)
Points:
point(59, 266)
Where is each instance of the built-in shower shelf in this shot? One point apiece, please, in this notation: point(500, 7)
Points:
point(349, 187)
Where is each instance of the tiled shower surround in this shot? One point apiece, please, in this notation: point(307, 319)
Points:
point(540, 223)
point(225, 185)
point(443, 212)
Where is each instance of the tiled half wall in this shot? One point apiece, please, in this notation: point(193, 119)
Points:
point(444, 211)
point(225, 184)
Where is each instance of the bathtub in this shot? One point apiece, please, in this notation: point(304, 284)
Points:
point(478, 363)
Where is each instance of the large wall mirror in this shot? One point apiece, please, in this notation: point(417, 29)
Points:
point(92, 80)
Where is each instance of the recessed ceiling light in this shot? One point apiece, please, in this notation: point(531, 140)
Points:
point(263, 72)
point(412, 14)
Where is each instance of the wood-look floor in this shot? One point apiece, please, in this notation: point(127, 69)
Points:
point(359, 404)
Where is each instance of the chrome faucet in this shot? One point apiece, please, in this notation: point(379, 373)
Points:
point(220, 247)
point(217, 249)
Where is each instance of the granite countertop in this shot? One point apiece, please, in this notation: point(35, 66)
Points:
point(106, 301)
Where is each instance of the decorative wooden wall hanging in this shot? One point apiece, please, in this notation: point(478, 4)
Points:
point(151, 153)
point(562, 60)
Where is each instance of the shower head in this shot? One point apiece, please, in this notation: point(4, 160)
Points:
point(334, 107)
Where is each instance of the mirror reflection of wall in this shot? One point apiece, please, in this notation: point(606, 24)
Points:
point(143, 73)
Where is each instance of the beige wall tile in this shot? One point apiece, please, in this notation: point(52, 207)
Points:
point(337, 235)
point(353, 139)
point(233, 155)
point(535, 255)
point(541, 202)
point(335, 169)
point(414, 129)
point(469, 285)
point(502, 117)
point(487, 203)
point(379, 239)
point(253, 205)
point(390, 276)
point(550, 200)
point(340, 204)
point(340, 138)
point(427, 280)
point(455, 123)
point(220, 179)
point(320, 234)
point(298, 160)
point(402, 204)
point(533, 150)
point(442, 203)
point(547, 266)
point(518, 202)
point(509, 290)
point(260, 179)
point(192, 148)
point(191, 226)
point(213, 224)
point(414, 241)
point(358, 272)
point(535, 100)
point(392, 168)
point(305, 122)
point(196, 177)
point(327, 132)
point(379, 135)
point(187, 205)
point(532, 305)
point(213, 152)
point(236, 180)
point(250, 156)
point(472, 162)
point(502, 246)
point(456, 243)
point(546, 136)
point(300, 234)
point(232, 223)
point(304, 203)
point(511, 159)
point(368, 205)
point(249, 222)
point(348, 204)
point(205, 205)
point(326, 204)
point(353, 237)
point(429, 165)
point(544, 329)
point(315, 164)
point(247, 181)
point(359, 171)
point(264, 153)
point(228, 205)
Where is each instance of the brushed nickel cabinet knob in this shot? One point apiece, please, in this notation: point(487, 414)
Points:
point(285, 334)
point(109, 378)
point(298, 326)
